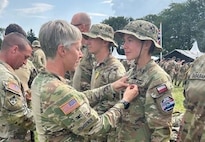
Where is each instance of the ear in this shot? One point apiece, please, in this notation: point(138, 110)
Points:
point(61, 50)
point(14, 49)
point(147, 44)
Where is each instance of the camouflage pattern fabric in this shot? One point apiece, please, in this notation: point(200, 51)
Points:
point(15, 114)
point(83, 73)
point(26, 73)
point(193, 128)
point(176, 122)
point(108, 71)
point(104, 73)
point(39, 59)
point(149, 116)
point(63, 114)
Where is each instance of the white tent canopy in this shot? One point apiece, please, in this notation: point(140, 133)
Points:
point(195, 49)
point(187, 55)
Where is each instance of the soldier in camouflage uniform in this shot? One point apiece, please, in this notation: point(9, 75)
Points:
point(27, 71)
point(39, 58)
point(150, 114)
point(193, 126)
point(61, 113)
point(107, 68)
point(83, 73)
point(15, 114)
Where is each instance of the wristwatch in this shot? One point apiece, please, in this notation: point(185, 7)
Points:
point(126, 104)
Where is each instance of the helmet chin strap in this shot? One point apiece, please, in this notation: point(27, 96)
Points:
point(137, 59)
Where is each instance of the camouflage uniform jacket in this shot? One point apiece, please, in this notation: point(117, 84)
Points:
point(104, 73)
point(64, 114)
point(193, 127)
point(149, 116)
point(14, 111)
point(83, 73)
point(26, 73)
point(39, 59)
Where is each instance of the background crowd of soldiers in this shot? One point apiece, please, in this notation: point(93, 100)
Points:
point(176, 68)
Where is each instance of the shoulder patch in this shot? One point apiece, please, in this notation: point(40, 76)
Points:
point(161, 88)
point(167, 103)
point(69, 106)
point(13, 87)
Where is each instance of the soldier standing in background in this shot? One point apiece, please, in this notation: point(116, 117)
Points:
point(150, 114)
point(61, 113)
point(39, 58)
point(15, 114)
point(106, 69)
point(192, 128)
point(83, 73)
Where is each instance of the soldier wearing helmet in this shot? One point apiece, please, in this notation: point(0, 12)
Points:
point(39, 58)
point(149, 118)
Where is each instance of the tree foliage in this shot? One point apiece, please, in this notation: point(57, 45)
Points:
point(182, 24)
point(1, 34)
point(31, 36)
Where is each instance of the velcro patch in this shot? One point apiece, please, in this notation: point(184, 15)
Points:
point(69, 106)
point(13, 87)
point(167, 104)
point(161, 89)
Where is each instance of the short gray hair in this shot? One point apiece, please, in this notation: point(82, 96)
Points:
point(54, 33)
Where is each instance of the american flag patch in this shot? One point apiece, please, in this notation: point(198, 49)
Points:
point(162, 88)
point(13, 87)
point(69, 106)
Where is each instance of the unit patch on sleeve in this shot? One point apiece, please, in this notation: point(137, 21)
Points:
point(69, 106)
point(167, 103)
point(161, 89)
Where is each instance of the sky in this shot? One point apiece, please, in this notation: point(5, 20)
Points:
point(31, 14)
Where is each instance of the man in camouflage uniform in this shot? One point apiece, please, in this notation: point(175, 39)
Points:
point(39, 58)
point(149, 118)
point(193, 128)
point(107, 68)
point(83, 73)
point(15, 115)
point(61, 113)
point(26, 74)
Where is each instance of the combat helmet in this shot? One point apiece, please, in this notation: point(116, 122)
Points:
point(36, 43)
point(102, 31)
point(142, 30)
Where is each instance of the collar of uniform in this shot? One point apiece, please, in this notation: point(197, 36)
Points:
point(7, 66)
point(56, 76)
point(104, 62)
point(148, 65)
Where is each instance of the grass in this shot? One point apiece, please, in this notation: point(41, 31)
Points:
point(179, 98)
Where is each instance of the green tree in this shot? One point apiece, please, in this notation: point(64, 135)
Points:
point(182, 25)
point(31, 36)
point(1, 34)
